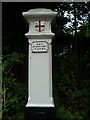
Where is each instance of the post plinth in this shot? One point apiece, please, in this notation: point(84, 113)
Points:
point(40, 103)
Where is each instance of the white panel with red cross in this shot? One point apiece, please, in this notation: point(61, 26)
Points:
point(39, 26)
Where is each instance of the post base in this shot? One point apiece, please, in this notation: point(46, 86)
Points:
point(40, 113)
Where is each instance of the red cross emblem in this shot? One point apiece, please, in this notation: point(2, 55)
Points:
point(39, 25)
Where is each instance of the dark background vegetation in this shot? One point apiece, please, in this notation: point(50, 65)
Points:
point(71, 60)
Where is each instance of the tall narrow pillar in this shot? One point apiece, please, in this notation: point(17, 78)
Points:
point(40, 103)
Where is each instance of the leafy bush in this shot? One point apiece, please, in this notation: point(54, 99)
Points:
point(72, 85)
point(63, 113)
point(13, 90)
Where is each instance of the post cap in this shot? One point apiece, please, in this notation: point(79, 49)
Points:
point(39, 14)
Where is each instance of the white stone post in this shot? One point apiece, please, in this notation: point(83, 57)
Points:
point(40, 57)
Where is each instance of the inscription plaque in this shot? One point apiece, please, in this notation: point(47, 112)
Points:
point(39, 46)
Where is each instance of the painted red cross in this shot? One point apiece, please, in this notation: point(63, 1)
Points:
point(40, 25)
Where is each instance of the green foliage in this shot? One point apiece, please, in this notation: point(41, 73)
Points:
point(13, 94)
point(85, 30)
point(9, 60)
point(72, 84)
point(63, 113)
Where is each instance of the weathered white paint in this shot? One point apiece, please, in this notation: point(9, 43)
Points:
point(40, 57)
